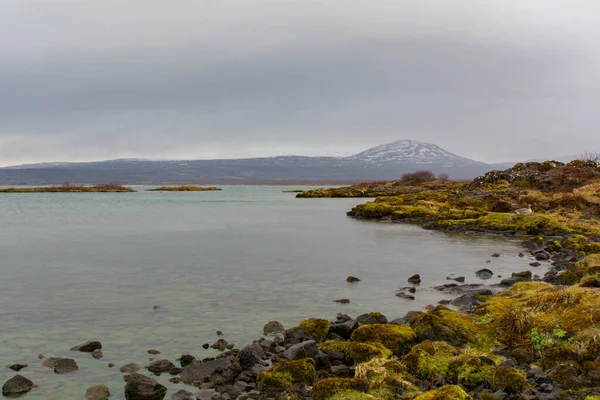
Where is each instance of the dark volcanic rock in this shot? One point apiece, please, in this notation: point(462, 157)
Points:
point(98, 392)
point(273, 327)
point(186, 359)
point(251, 355)
point(352, 279)
point(302, 350)
point(141, 387)
point(535, 264)
point(416, 279)
point(160, 366)
point(372, 318)
point(88, 347)
point(16, 385)
point(17, 367)
point(197, 372)
point(220, 344)
point(496, 255)
point(542, 256)
point(97, 354)
point(522, 275)
point(343, 301)
point(484, 273)
point(344, 329)
point(65, 365)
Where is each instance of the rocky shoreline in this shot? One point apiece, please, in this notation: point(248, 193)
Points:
point(440, 353)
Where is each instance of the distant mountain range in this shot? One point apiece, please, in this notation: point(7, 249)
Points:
point(385, 162)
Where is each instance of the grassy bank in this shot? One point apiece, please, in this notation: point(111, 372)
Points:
point(533, 339)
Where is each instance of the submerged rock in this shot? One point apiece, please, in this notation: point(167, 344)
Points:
point(65, 365)
point(17, 367)
point(98, 392)
point(97, 354)
point(343, 301)
point(484, 273)
point(160, 366)
point(197, 372)
point(16, 385)
point(88, 347)
point(132, 367)
point(140, 387)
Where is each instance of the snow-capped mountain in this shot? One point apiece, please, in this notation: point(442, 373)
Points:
point(385, 162)
point(410, 151)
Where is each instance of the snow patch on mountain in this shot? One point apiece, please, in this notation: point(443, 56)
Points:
point(410, 151)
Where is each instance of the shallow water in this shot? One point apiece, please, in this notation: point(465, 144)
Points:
point(77, 267)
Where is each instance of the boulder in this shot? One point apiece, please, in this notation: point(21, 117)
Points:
point(542, 256)
point(251, 355)
point(273, 327)
point(352, 279)
point(186, 359)
point(526, 275)
point(416, 279)
point(65, 365)
point(97, 354)
point(197, 372)
point(302, 350)
point(160, 366)
point(535, 264)
point(140, 387)
point(132, 367)
point(372, 318)
point(88, 347)
point(403, 295)
point(220, 344)
point(344, 329)
point(16, 385)
point(153, 351)
point(484, 273)
point(17, 367)
point(98, 392)
point(50, 361)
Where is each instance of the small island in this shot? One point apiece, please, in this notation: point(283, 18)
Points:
point(184, 188)
point(69, 188)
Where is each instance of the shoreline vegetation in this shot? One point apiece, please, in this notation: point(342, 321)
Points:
point(529, 337)
point(68, 188)
point(184, 188)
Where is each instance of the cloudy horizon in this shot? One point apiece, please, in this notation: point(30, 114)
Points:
point(200, 79)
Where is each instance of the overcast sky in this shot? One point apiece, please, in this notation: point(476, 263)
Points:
point(486, 79)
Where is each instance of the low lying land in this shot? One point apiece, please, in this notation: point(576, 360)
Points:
point(184, 189)
point(107, 188)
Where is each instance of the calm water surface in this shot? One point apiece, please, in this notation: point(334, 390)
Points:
point(77, 267)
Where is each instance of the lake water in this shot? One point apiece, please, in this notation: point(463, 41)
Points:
point(78, 267)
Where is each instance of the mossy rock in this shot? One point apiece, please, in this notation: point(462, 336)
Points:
point(429, 360)
point(285, 374)
point(556, 355)
point(352, 395)
point(471, 371)
point(448, 392)
point(317, 328)
point(326, 388)
point(385, 377)
point(398, 338)
point(568, 375)
point(357, 352)
point(453, 327)
point(509, 379)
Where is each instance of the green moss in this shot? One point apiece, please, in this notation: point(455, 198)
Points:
point(443, 324)
point(285, 373)
point(531, 224)
point(385, 377)
point(317, 328)
point(448, 392)
point(326, 388)
point(352, 395)
point(472, 371)
point(398, 338)
point(357, 352)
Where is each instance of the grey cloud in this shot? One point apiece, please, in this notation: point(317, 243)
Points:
point(261, 78)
